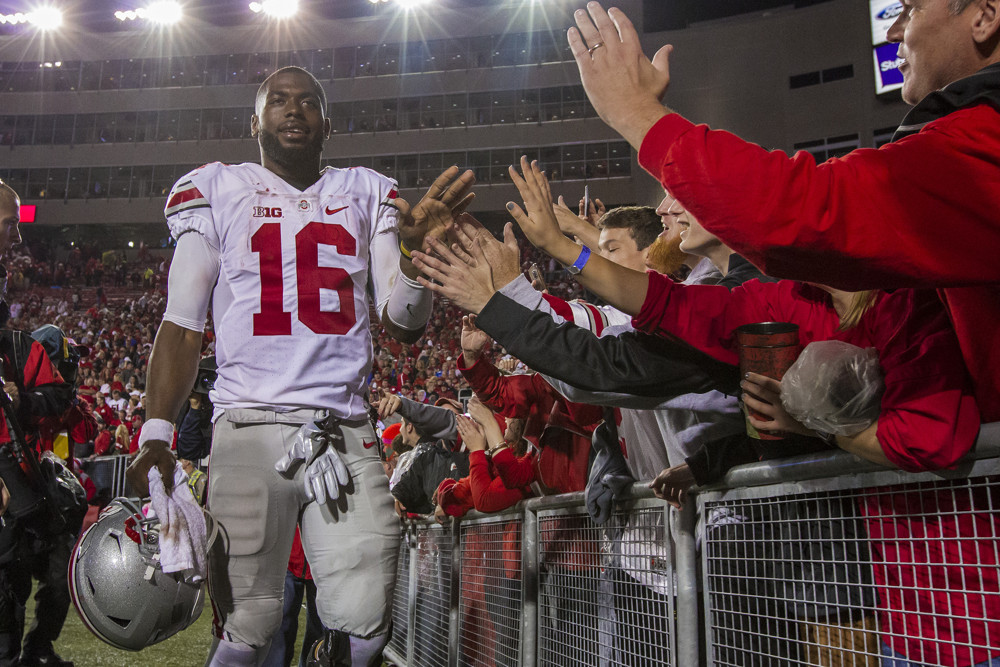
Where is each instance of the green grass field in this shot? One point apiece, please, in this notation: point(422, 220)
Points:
point(186, 649)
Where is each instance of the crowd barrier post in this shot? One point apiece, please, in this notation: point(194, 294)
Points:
point(686, 563)
point(454, 602)
point(529, 588)
point(411, 607)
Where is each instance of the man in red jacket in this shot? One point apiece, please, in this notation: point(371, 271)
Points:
point(871, 219)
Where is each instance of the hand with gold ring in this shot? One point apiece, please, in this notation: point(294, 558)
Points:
point(625, 87)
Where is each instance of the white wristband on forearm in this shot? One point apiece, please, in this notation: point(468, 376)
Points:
point(409, 304)
point(156, 429)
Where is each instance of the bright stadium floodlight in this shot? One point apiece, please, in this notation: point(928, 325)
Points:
point(278, 9)
point(411, 4)
point(43, 18)
point(166, 12)
point(46, 18)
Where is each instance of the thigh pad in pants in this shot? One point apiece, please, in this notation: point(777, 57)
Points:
point(256, 510)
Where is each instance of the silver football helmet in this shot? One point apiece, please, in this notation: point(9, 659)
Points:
point(118, 586)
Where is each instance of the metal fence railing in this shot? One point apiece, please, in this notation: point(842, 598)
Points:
point(829, 561)
point(540, 584)
point(108, 475)
point(822, 560)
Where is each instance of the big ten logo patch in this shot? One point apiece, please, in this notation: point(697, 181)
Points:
point(267, 211)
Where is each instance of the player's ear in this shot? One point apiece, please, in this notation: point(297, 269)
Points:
point(255, 125)
point(327, 128)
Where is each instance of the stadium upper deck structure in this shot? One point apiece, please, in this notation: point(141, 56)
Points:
point(101, 116)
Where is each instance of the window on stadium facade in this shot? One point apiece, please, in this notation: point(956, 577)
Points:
point(596, 160)
point(503, 107)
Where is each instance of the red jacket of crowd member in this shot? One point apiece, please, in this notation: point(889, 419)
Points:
point(102, 443)
point(820, 230)
point(105, 412)
point(482, 490)
point(38, 371)
point(560, 429)
point(928, 417)
point(86, 392)
point(78, 422)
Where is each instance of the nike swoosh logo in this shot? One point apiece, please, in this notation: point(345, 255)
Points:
point(330, 211)
point(366, 444)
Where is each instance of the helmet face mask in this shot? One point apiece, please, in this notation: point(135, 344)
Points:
point(118, 587)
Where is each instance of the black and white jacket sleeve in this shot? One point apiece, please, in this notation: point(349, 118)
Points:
point(631, 363)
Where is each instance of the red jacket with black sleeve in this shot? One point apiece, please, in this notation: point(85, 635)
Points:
point(41, 390)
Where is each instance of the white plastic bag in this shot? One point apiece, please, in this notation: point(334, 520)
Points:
point(834, 387)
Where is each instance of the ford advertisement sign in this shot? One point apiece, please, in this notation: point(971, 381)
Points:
point(887, 74)
point(883, 14)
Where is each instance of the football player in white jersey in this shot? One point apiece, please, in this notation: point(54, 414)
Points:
point(289, 256)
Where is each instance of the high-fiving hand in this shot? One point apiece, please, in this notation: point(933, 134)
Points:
point(447, 198)
point(463, 276)
point(386, 403)
point(537, 219)
point(625, 87)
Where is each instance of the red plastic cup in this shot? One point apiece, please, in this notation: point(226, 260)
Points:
point(769, 349)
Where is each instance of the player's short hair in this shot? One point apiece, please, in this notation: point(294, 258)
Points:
point(643, 223)
point(285, 70)
point(958, 6)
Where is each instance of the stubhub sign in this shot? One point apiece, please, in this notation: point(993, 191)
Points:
point(887, 74)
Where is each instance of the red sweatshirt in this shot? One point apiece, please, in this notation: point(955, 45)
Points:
point(559, 428)
point(928, 418)
point(483, 489)
point(919, 212)
point(78, 422)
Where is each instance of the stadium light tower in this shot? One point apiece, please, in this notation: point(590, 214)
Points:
point(278, 9)
point(43, 18)
point(165, 12)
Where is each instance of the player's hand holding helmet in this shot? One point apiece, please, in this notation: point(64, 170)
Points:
point(152, 453)
point(118, 586)
point(326, 473)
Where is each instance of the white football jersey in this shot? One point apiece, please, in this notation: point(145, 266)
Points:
point(290, 306)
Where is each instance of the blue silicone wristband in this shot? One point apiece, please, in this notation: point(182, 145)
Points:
point(581, 261)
